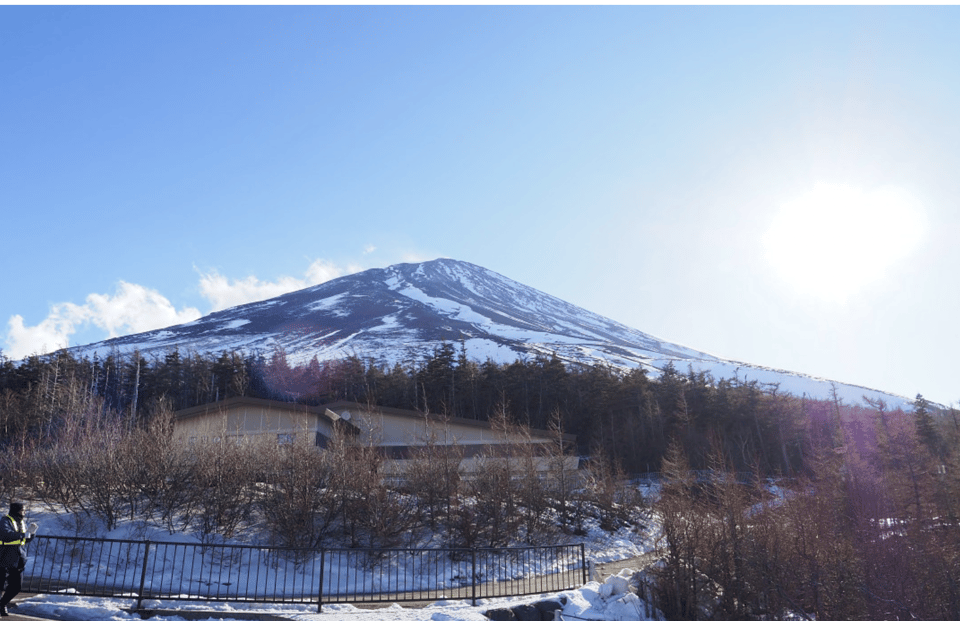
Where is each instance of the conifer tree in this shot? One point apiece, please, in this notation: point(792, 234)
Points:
point(926, 427)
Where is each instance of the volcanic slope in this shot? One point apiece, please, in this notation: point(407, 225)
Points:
point(402, 313)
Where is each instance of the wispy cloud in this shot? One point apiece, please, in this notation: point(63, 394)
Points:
point(133, 308)
point(223, 292)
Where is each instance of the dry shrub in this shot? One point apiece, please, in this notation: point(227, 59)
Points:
point(224, 491)
point(298, 504)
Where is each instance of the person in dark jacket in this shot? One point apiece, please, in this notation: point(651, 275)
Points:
point(13, 556)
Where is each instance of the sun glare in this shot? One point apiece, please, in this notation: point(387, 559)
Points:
point(835, 239)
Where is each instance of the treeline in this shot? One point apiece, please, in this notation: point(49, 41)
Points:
point(870, 531)
point(625, 416)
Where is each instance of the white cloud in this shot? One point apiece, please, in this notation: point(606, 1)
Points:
point(223, 292)
point(49, 335)
point(133, 308)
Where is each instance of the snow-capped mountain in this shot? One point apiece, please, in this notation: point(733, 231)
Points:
point(403, 312)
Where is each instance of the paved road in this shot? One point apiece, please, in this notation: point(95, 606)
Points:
point(612, 568)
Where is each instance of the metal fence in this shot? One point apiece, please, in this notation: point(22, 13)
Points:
point(145, 570)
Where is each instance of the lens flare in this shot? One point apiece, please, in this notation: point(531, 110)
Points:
point(834, 240)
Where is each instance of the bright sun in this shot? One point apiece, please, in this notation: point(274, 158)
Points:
point(835, 239)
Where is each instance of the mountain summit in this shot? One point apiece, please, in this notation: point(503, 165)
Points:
point(403, 312)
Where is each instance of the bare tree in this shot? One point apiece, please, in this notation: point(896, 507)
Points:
point(225, 473)
point(433, 475)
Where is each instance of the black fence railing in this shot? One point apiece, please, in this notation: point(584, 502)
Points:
point(142, 570)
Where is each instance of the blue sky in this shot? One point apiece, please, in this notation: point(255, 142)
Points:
point(770, 184)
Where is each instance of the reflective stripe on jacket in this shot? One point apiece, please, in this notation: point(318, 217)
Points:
point(18, 529)
point(13, 552)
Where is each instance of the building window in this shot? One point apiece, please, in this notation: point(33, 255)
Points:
point(284, 438)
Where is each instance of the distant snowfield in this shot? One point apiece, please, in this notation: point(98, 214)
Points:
point(795, 383)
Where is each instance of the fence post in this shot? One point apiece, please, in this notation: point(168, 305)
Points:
point(583, 563)
point(473, 575)
point(143, 573)
point(323, 556)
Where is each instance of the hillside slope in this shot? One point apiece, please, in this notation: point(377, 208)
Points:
point(403, 312)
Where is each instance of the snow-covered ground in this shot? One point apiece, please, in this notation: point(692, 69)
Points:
point(596, 601)
point(608, 600)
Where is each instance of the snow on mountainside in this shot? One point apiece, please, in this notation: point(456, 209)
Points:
point(403, 312)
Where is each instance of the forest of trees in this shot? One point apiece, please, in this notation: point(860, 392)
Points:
point(771, 506)
point(626, 416)
point(869, 531)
